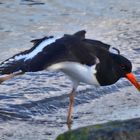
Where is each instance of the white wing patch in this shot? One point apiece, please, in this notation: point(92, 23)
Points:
point(38, 49)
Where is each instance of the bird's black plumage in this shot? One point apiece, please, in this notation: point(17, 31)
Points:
point(82, 59)
point(73, 48)
point(69, 48)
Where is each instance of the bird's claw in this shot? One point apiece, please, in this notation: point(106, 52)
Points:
point(69, 123)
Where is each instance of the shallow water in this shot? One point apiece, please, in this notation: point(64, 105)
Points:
point(38, 101)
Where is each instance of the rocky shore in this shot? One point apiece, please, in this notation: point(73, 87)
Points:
point(115, 130)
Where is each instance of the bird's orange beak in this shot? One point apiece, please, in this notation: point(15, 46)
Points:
point(132, 79)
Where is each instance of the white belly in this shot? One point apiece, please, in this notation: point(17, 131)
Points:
point(77, 72)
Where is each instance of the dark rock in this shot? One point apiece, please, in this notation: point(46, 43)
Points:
point(116, 130)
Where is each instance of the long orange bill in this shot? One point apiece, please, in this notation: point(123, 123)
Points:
point(132, 79)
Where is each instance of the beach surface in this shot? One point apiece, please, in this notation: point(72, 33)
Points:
point(34, 106)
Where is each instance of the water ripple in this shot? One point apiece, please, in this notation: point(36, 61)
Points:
point(30, 109)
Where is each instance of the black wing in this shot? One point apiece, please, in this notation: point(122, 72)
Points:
point(73, 48)
point(36, 42)
point(98, 44)
point(17, 62)
point(51, 53)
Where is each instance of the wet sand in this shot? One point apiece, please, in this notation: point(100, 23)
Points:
point(34, 107)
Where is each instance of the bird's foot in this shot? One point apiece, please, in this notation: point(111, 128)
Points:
point(69, 123)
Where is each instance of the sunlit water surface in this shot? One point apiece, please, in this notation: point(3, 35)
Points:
point(34, 106)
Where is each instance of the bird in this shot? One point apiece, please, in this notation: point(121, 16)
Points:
point(81, 59)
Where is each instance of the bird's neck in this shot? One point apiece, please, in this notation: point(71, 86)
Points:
point(106, 74)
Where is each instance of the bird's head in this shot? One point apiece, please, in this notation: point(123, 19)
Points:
point(123, 67)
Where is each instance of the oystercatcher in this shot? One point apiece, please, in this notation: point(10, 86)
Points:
point(83, 60)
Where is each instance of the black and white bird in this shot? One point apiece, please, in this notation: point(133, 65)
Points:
point(83, 60)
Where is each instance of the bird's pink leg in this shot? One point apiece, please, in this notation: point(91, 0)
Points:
point(9, 76)
point(70, 109)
